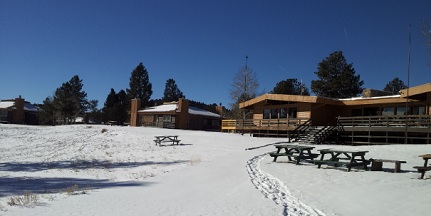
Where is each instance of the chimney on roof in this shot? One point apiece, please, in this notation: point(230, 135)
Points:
point(374, 93)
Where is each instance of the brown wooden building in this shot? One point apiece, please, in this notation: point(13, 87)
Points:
point(282, 115)
point(177, 115)
point(18, 111)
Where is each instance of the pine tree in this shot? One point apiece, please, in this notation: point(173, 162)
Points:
point(47, 112)
point(337, 79)
point(291, 87)
point(140, 86)
point(172, 92)
point(395, 86)
point(115, 107)
point(70, 100)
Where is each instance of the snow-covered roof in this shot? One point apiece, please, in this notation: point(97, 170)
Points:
point(161, 108)
point(369, 98)
point(6, 104)
point(202, 112)
point(11, 105)
point(30, 107)
point(174, 106)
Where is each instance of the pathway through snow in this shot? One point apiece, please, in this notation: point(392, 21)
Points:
point(275, 190)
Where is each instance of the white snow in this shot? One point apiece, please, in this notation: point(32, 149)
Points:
point(6, 104)
point(113, 170)
point(161, 108)
point(174, 106)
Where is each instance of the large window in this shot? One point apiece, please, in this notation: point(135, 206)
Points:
point(266, 113)
point(3, 115)
point(283, 113)
point(388, 111)
point(401, 111)
point(293, 112)
point(418, 110)
point(371, 111)
point(166, 118)
point(274, 114)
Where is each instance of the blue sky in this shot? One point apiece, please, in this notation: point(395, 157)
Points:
point(201, 44)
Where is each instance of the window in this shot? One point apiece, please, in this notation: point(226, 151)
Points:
point(166, 118)
point(293, 112)
point(356, 112)
point(371, 111)
point(266, 113)
point(419, 110)
point(283, 113)
point(274, 114)
point(3, 115)
point(401, 111)
point(388, 111)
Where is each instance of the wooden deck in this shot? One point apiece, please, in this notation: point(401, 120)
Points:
point(268, 127)
point(410, 129)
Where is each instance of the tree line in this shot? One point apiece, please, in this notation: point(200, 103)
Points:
point(336, 79)
point(70, 100)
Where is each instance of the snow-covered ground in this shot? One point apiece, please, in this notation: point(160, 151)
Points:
point(112, 170)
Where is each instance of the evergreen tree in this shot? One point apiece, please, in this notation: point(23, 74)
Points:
point(70, 100)
point(172, 92)
point(337, 79)
point(115, 107)
point(140, 86)
point(290, 87)
point(395, 86)
point(47, 112)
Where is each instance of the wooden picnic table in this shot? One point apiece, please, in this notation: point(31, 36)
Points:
point(425, 167)
point(167, 138)
point(343, 157)
point(298, 152)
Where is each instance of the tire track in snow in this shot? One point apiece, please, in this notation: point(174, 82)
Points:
point(272, 188)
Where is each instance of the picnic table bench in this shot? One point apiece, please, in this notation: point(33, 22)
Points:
point(377, 164)
point(298, 152)
point(350, 159)
point(424, 168)
point(167, 139)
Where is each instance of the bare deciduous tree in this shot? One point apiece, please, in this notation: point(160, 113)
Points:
point(244, 87)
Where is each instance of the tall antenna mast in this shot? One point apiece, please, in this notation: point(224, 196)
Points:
point(408, 82)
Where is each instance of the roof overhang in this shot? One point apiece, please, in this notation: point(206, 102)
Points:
point(417, 92)
point(280, 98)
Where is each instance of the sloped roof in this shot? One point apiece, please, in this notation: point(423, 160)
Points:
point(416, 90)
point(7, 104)
point(174, 107)
point(287, 98)
point(415, 93)
point(30, 107)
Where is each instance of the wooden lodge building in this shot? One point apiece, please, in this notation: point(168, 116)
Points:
point(18, 111)
point(374, 118)
point(177, 114)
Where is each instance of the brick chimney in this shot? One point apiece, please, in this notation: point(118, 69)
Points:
point(18, 116)
point(134, 107)
point(183, 114)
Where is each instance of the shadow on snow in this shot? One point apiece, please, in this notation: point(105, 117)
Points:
point(78, 164)
point(14, 186)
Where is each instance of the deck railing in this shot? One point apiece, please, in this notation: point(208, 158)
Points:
point(256, 124)
point(420, 121)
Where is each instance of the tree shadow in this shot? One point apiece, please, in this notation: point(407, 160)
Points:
point(78, 164)
point(14, 186)
point(10, 186)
